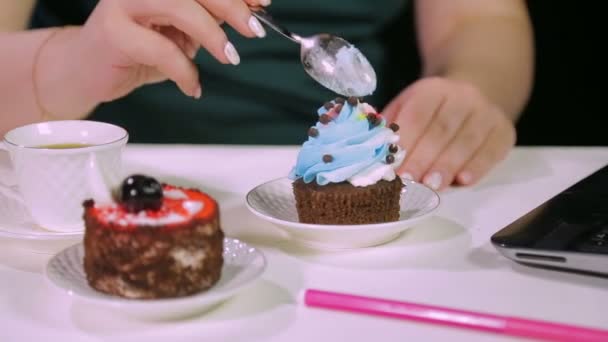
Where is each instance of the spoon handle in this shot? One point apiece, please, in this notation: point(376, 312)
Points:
point(267, 19)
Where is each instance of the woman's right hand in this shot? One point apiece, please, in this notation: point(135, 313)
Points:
point(128, 43)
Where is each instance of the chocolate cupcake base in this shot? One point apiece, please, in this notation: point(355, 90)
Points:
point(345, 204)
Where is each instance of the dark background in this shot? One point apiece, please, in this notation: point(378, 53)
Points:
point(567, 102)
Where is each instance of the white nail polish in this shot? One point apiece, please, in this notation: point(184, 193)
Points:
point(256, 27)
point(231, 54)
point(265, 2)
point(198, 92)
point(433, 180)
point(465, 177)
point(407, 175)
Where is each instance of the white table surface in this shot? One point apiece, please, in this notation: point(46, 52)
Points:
point(447, 260)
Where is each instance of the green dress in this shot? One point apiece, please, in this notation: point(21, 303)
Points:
point(268, 98)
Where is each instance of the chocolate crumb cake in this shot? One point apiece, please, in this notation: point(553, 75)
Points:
point(345, 171)
point(342, 203)
point(158, 241)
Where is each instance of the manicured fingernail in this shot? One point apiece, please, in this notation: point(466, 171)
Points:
point(407, 175)
point(198, 92)
point(256, 27)
point(465, 177)
point(265, 2)
point(433, 180)
point(231, 54)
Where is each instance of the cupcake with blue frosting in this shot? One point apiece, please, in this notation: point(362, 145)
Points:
point(345, 171)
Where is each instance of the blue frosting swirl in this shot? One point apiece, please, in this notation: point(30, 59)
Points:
point(356, 146)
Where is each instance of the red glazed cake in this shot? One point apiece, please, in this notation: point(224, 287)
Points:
point(158, 241)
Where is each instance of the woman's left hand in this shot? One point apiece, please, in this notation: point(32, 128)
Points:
point(452, 133)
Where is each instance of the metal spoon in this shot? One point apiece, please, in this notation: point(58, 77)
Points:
point(332, 61)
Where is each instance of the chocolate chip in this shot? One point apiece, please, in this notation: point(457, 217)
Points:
point(390, 159)
point(324, 119)
point(394, 127)
point(339, 100)
point(393, 148)
point(328, 158)
point(372, 118)
point(328, 105)
point(352, 101)
point(313, 132)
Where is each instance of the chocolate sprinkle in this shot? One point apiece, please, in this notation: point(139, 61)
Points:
point(390, 159)
point(352, 101)
point(328, 158)
point(313, 132)
point(394, 127)
point(339, 100)
point(372, 118)
point(324, 119)
point(328, 105)
point(393, 148)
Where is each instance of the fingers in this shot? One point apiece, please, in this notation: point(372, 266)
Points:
point(192, 19)
point(497, 146)
point(151, 48)
point(192, 48)
point(452, 133)
point(258, 3)
point(445, 124)
point(391, 111)
point(472, 134)
point(183, 41)
point(237, 14)
point(416, 114)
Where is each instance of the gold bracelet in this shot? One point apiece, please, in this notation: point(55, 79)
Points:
point(45, 115)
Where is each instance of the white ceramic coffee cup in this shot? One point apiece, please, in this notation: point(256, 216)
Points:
point(53, 183)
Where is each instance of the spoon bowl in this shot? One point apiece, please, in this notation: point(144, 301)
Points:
point(330, 60)
point(337, 65)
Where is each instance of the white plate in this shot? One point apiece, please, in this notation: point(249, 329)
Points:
point(243, 264)
point(274, 201)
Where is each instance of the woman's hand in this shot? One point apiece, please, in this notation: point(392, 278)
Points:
point(127, 43)
point(452, 133)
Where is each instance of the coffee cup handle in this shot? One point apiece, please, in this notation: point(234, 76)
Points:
point(10, 191)
point(98, 187)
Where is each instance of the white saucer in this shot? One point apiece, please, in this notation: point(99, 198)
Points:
point(27, 230)
point(16, 223)
point(274, 201)
point(243, 264)
point(19, 229)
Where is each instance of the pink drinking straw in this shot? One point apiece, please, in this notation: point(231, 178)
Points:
point(450, 317)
